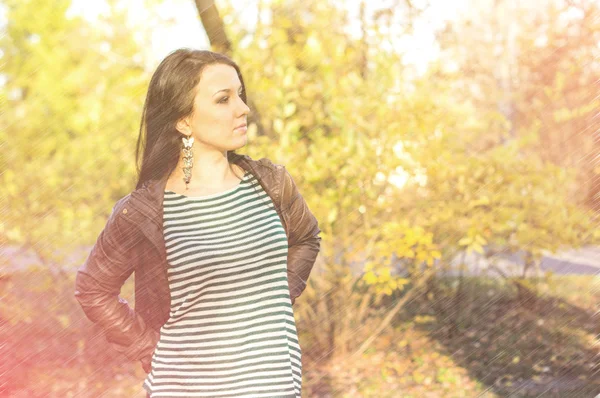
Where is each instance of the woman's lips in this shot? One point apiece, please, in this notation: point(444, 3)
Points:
point(241, 129)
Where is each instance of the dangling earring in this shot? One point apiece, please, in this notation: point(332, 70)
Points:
point(188, 158)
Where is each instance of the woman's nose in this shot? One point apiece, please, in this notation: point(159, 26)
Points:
point(245, 110)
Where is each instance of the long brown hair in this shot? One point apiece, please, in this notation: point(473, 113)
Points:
point(170, 97)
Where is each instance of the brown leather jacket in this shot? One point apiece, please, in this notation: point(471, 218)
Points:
point(132, 240)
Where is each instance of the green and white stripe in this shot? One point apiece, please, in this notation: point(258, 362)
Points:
point(231, 330)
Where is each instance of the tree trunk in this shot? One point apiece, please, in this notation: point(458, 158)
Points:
point(593, 199)
point(213, 24)
point(364, 45)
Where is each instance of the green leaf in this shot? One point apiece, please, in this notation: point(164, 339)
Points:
point(289, 109)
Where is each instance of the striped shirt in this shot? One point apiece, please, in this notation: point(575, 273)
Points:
point(231, 330)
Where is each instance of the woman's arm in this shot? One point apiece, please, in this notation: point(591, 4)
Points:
point(303, 236)
point(98, 285)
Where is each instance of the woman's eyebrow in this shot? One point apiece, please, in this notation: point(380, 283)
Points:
point(227, 90)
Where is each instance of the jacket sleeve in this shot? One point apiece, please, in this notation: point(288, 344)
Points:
point(98, 285)
point(303, 236)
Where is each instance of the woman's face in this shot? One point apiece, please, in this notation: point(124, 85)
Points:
point(218, 110)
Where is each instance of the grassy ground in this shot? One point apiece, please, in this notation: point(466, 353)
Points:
point(542, 346)
point(485, 344)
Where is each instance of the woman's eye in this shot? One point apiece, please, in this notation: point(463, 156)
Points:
point(225, 99)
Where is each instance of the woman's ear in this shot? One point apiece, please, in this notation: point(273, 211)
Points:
point(184, 126)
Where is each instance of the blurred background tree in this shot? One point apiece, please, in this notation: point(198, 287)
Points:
point(72, 96)
point(536, 65)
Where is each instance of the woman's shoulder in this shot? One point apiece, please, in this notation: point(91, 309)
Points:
point(131, 212)
point(121, 203)
point(120, 207)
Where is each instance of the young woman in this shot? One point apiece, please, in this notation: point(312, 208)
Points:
point(221, 246)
